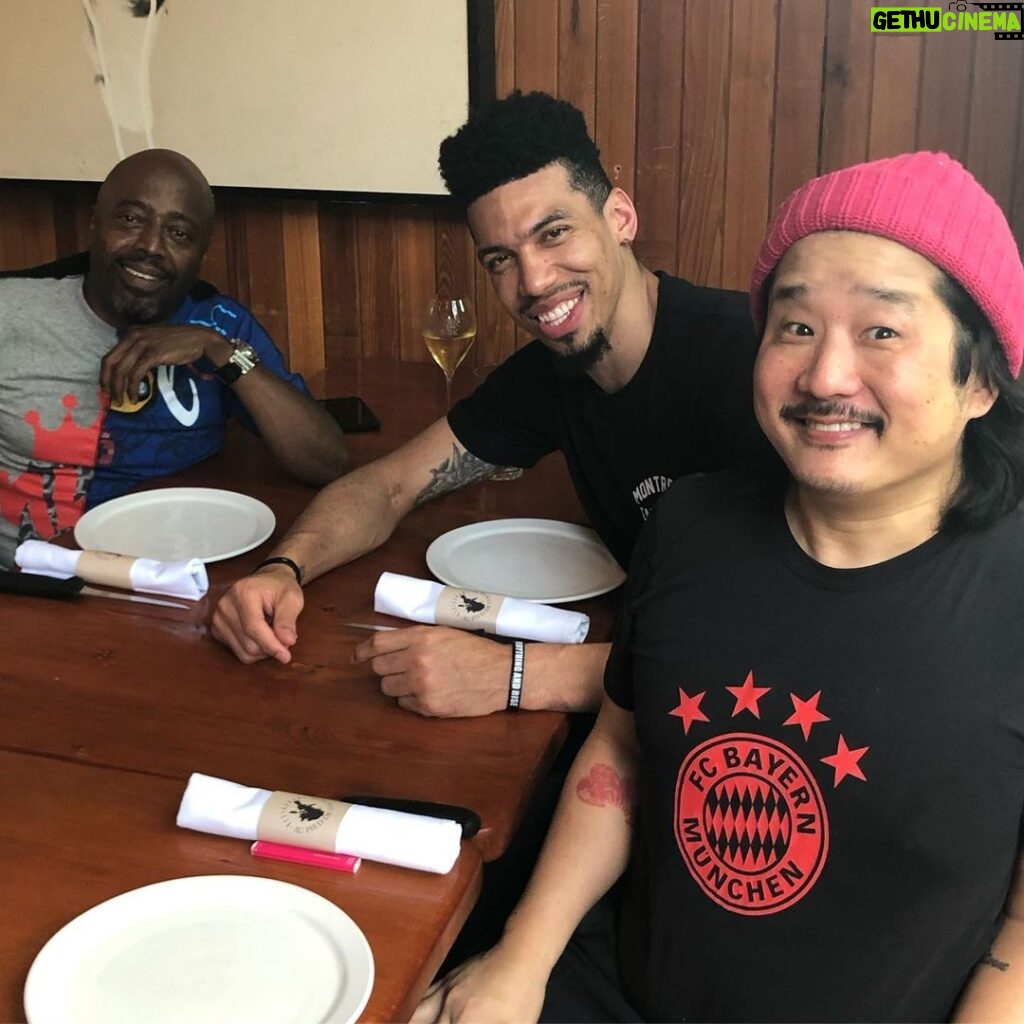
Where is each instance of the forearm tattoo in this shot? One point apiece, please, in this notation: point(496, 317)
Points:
point(459, 469)
point(988, 960)
point(603, 787)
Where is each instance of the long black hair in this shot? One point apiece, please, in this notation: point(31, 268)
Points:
point(992, 451)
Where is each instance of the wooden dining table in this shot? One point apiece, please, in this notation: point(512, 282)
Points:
point(106, 707)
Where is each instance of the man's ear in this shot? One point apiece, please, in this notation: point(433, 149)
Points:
point(620, 215)
point(980, 397)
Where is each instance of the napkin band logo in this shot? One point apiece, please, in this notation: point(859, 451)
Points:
point(468, 609)
point(300, 820)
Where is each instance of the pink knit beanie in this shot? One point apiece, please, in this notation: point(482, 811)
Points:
point(927, 202)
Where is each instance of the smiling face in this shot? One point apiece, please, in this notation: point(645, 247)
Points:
point(557, 264)
point(149, 233)
point(854, 377)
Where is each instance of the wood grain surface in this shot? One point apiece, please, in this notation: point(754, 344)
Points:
point(108, 707)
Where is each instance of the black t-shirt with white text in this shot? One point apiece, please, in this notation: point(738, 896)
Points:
point(687, 409)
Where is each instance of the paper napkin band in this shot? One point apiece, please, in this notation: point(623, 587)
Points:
point(106, 569)
point(225, 808)
point(468, 609)
point(299, 820)
point(185, 577)
point(427, 601)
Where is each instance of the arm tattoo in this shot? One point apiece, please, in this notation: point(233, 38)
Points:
point(990, 961)
point(459, 469)
point(603, 787)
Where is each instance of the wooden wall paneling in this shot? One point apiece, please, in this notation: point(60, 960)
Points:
point(216, 265)
point(416, 276)
point(798, 96)
point(849, 69)
point(703, 129)
point(11, 247)
point(577, 56)
point(233, 207)
point(749, 147)
point(504, 47)
point(38, 243)
point(264, 258)
point(615, 89)
point(379, 326)
point(72, 212)
point(537, 45)
point(339, 274)
point(895, 96)
point(27, 237)
point(660, 87)
point(497, 336)
point(455, 267)
point(947, 63)
point(995, 115)
point(304, 291)
point(1016, 212)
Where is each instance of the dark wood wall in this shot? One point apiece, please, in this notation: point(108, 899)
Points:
point(708, 112)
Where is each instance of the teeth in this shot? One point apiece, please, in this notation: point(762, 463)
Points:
point(140, 274)
point(834, 428)
point(558, 315)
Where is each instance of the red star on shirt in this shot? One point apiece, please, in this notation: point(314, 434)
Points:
point(844, 760)
point(747, 696)
point(805, 713)
point(689, 709)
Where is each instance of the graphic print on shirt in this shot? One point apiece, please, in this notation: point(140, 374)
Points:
point(49, 496)
point(750, 819)
point(647, 492)
point(173, 400)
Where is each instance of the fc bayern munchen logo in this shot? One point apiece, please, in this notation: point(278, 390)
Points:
point(751, 823)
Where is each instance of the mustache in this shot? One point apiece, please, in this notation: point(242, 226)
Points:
point(819, 409)
point(142, 260)
point(564, 286)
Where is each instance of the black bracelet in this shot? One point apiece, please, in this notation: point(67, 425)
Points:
point(280, 560)
point(515, 679)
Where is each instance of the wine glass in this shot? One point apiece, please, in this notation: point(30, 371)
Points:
point(449, 330)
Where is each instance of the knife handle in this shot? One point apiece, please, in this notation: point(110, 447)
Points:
point(34, 585)
point(468, 819)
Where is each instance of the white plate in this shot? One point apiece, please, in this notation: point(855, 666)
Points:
point(535, 559)
point(177, 522)
point(217, 949)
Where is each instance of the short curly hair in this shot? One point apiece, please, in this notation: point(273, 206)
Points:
point(517, 136)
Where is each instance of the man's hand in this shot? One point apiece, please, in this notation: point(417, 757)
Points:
point(257, 617)
point(439, 672)
point(142, 348)
point(491, 988)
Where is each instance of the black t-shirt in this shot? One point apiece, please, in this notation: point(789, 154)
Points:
point(833, 765)
point(687, 409)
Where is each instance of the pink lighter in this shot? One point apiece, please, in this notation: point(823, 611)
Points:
point(300, 855)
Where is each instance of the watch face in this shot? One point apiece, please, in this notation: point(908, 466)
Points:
point(147, 392)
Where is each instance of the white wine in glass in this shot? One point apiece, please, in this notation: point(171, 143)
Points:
point(449, 330)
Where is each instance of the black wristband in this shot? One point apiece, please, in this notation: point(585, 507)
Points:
point(280, 560)
point(515, 679)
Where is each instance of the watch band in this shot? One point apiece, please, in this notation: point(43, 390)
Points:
point(242, 360)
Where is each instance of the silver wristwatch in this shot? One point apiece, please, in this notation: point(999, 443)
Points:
point(242, 360)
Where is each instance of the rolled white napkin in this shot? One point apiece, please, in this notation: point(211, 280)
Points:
point(393, 837)
point(412, 598)
point(183, 578)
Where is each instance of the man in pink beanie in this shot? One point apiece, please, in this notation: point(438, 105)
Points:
point(809, 764)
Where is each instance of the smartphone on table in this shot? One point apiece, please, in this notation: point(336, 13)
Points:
point(352, 414)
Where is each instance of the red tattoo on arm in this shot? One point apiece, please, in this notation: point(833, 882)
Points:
point(603, 787)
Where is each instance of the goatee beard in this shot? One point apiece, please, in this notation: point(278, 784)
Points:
point(575, 363)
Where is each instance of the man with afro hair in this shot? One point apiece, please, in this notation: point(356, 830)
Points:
point(636, 378)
